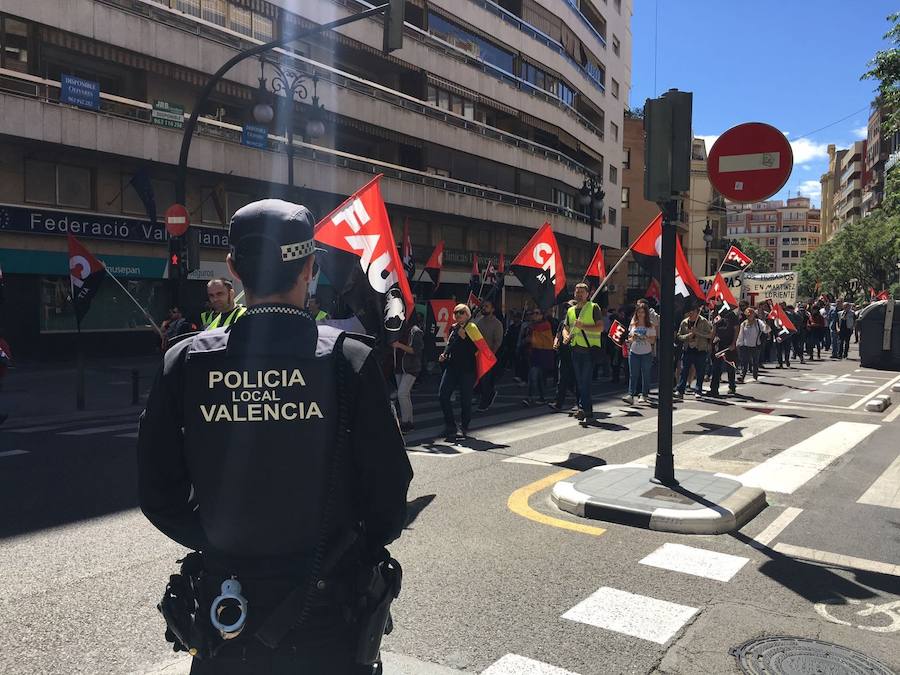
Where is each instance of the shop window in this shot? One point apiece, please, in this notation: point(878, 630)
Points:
point(626, 196)
point(111, 308)
point(14, 39)
point(40, 182)
point(213, 11)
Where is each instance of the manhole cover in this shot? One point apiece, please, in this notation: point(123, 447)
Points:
point(784, 655)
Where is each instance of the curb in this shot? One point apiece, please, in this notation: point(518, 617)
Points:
point(73, 417)
point(733, 512)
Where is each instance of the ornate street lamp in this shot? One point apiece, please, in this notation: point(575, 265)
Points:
point(707, 239)
point(288, 85)
point(591, 196)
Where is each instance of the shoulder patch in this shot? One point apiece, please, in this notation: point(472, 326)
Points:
point(209, 341)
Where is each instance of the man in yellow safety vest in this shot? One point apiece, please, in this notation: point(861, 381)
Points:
point(583, 330)
point(223, 310)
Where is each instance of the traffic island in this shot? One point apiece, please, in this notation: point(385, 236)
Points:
point(701, 503)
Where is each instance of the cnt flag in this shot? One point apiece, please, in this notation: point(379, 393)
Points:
point(720, 292)
point(596, 271)
point(647, 251)
point(484, 357)
point(883, 295)
point(652, 291)
point(496, 289)
point(736, 260)
point(617, 333)
point(360, 259)
point(409, 263)
point(539, 267)
point(781, 320)
point(435, 264)
point(442, 310)
point(86, 273)
point(474, 282)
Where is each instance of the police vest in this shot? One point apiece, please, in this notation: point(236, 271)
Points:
point(589, 336)
point(259, 430)
point(206, 318)
point(223, 319)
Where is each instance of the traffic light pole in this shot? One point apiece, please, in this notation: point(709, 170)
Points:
point(664, 474)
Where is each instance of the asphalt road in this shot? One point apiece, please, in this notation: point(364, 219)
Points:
point(496, 578)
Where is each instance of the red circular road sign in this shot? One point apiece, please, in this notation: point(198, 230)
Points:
point(750, 162)
point(177, 220)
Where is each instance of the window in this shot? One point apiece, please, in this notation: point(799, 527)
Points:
point(626, 162)
point(626, 194)
point(615, 88)
point(454, 236)
point(612, 216)
point(614, 131)
point(111, 308)
point(623, 237)
point(785, 241)
point(566, 94)
point(618, 5)
point(637, 278)
point(209, 210)
point(563, 199)
point(191, 7)
point(613, 174)
point(235, 200)
point(463, 39)
point(213, 11)
point(771, 241)
point(616, 45)
point(262, 28)
point(58, 184)
point(784, 266)
point(14, 41)
point(240, 20)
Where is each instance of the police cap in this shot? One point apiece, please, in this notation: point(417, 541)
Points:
point(271, 231)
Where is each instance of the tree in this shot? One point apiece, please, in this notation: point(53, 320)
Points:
point(762, 259)
point(885, 68)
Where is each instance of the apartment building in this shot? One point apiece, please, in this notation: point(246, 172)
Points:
point(831, 185)
point(788, 230)
point(485, 125)
point(704, 217)
point(853, 175)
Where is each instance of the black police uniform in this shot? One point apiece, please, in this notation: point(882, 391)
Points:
point(235, 450)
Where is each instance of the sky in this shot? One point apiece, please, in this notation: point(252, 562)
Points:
point(794, 64)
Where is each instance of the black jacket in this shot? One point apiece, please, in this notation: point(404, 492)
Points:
point(234, 447)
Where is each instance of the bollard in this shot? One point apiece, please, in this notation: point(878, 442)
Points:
point(135, 387)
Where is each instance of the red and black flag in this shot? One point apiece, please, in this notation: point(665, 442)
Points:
point(780, 318)
point(86, 273)
point(539, 267)
point(435, 264)
point(720, 292)
point(406, 253)
point(596, 271)
point(474, 284)
point(883, 295)
point(360, 258)
point(736, 260)
point(497, 281)
point(647, 251)
point(652, 291)
point(617, 332)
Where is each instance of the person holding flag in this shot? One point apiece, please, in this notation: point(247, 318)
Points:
point(695, 333)
point(583, 331)
point(724, 351)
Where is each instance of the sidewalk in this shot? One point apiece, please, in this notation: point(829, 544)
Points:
point(38, 392)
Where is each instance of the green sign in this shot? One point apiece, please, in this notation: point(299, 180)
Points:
point(167, 115)
point(16, 261)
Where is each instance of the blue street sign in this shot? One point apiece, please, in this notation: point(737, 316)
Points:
point(255, 136)
point(80, 92)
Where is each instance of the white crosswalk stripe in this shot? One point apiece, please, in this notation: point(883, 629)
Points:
point(885, 491)
point(790, 469)
point(595, 440)
point(98, 430)
point(513, 664)
point(696, 561)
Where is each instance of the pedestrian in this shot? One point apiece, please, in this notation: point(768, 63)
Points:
point(315, 308)
point(175, 327)
point(583, 331)
point(458, 359)
point(407, 366)
point(492, 330)
point(695, 334)
point(800, 321)
point(815, 331)
point(271, 451)
point(223, 310)
point(641, 336)
point(522, 354)
point(724, 350)
point(541, 357)
point(751, 334)
point(846, 325)
point(783, 341)
point(834, 328)
point(566, 372)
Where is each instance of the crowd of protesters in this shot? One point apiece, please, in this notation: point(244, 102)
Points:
point(552, 355)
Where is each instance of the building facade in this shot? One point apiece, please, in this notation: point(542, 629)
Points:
point(788, 230)
point(484, 126)
point(830, 182)
point(704, 217)
point(848, 196)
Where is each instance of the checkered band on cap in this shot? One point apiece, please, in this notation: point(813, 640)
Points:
point(298, 250)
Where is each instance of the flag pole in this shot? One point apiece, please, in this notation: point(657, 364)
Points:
point(139, 306)
point(79, 365)
point(609, 274)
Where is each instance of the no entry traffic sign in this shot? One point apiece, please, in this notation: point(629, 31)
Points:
point(177, 220)
point(750, 162)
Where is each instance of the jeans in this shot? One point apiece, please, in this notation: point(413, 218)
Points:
point(749, 360)
point(639, 367)
point(536, 377)
point(696, 359)
point(844, 348)
point(799, 340)
point(566, 378)
point(784, 351)
point(717, 366)
point(584, 368)
point(451, 381)
point(404, 396)
point(835, 343)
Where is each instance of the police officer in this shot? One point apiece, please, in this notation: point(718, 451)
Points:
point(223, 310)
point(269, 447)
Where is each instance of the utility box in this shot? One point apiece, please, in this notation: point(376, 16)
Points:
point(879, 335)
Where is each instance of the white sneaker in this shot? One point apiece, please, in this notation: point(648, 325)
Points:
point(628, 399)
point(642, 399)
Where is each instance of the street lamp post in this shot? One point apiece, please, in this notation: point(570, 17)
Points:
point(288, 84)
point(707, 240)
point(591, 195)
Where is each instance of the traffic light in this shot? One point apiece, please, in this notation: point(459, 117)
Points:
point(667, 147)
point(176, 258)
point(393, 26)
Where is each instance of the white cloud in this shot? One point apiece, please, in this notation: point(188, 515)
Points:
point(806, 167)
point(811, 189)
point(806, 151)
point(859, 133)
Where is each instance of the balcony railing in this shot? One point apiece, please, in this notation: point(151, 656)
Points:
point(47, 91)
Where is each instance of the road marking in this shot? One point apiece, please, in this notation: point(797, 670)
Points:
point(776, 527)
point(893, 414)
point(98, 430)
point(696, 561)
point(792, 468)
point(13, 453)
point(518, 503)
point(635, 615)
point(596, 440)
point(838, 560)
point(697, 452)
point(513, 664)
point(886, 385)
point(885, 491)
point(512, 433)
